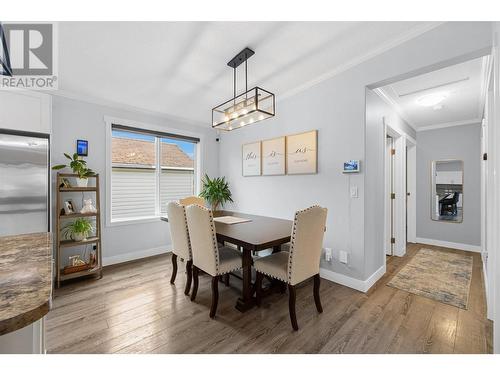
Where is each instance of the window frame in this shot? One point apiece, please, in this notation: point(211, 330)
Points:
point(162, 130)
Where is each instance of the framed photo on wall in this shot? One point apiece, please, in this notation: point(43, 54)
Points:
point(273, 156)
point(302, 153)
point(251, 159)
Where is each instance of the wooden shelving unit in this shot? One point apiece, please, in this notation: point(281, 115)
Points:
point(63, 244)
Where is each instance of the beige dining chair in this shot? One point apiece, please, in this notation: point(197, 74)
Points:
point(301, 262)
point(207, 255)
point(192, 200)
point(181, 246)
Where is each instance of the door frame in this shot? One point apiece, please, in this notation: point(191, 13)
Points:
point(411, 189)
point(400, 141)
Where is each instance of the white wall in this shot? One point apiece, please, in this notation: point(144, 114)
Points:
point(336, 107)
point(73, 120)
point(461, 143)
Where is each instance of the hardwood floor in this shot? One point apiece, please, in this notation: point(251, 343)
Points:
point(135, 309)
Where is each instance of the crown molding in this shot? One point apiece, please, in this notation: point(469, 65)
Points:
point(474, 121)
point(126, 107)
point(415, 32)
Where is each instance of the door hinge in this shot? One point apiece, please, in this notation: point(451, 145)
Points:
point(393, 240)
point(393, 195)
point(485, 156)
point(393, 151)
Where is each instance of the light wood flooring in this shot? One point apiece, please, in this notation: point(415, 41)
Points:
point(134, 309)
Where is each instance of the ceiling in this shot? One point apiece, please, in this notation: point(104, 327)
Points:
point(179, 68)
point(460, 86)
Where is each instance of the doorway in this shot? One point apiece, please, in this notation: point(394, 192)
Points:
point(389, 217)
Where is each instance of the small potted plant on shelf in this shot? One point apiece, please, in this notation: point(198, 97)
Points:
point(78, 230)
point(216, 191)
point(79, 167)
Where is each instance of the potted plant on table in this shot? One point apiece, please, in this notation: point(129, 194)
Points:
point(79, 167)
point(78, 230)
point(216, 191)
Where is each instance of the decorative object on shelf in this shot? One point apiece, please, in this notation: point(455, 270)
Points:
point(76, 260)
point(82, 147)
point(251, 153)
point(216, 191)
point(79, 167)
point(301, 153)
point(351, 166)
point(88, 207)
point(64, 183)
point(273, 157)
point(78, 230)
point(69, 207)
point(93, 258)
point(247, 108)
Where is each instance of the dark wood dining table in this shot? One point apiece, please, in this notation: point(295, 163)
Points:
point(260, 233)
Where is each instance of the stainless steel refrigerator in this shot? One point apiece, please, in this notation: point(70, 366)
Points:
point(24, 183)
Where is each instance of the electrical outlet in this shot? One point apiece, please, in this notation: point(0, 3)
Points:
point(328, 254)
point(343, 256)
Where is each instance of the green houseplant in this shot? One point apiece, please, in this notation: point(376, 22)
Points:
point(78, 230)
point(215, 191)
point(79, 167)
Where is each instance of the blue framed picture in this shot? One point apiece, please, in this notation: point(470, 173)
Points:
point(82, 147)
point(351, 166)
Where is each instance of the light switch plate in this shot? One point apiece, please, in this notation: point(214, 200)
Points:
point(328, 254)
point(354, 192)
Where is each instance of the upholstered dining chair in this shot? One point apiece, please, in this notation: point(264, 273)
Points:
point(181, 246)
point(208, 256)
point(192, 200)
point(301, 262)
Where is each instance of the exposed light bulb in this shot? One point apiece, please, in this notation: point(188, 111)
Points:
point(261, 117)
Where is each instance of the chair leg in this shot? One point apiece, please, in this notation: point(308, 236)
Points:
point(195, 283)
point(291, 307)
point(258, 287)
point(215, 296)
point(174, 268)
point(189, 275)
point(316, 293)
point(226, 279)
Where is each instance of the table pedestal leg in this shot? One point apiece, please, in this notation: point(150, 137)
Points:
point(246, 301)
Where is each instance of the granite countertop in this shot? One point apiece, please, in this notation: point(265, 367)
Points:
point(25, 279)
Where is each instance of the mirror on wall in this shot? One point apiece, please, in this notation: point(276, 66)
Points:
point(447, 194)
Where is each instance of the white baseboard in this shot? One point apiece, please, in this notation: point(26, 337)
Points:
point(452, 245)
point(361, 285)
point(107, 261)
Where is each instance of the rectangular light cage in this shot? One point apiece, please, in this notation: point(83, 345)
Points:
point(247, 108)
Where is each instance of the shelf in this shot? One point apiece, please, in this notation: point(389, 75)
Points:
point(90, 188)
point(71, 243)
point(75, 175)
point(80, 273)
point(73, 216)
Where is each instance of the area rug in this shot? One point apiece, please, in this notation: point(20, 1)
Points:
point(439, 275)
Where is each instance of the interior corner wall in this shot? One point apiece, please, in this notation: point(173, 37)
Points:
point(336, 108)
point(462, 143)
point(74, 119)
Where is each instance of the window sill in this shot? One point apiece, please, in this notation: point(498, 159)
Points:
point(132, 221)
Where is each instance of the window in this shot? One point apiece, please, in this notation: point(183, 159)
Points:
point(149, 170)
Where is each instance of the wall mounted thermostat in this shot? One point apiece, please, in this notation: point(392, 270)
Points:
point(351, 166)
point(82, 147)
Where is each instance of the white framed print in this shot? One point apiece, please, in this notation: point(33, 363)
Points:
point(302, 153)
point(251, 161)
point(273, 156)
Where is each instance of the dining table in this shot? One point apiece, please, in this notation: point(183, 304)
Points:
point(256, 234)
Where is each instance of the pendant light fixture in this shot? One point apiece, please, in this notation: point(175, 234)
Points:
point(247, 108)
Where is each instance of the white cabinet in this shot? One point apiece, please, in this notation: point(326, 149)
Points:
point(26, 111)
point(27, 340)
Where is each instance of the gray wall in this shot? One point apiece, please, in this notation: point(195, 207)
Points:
point(458, 142)
point(73, 120)
point(336, 107)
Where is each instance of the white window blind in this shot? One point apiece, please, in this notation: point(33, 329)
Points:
point(148, 171)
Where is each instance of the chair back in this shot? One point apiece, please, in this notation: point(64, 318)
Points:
point(192, 200)
point(179, 230)
point(203, 239)
point(307, 242)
